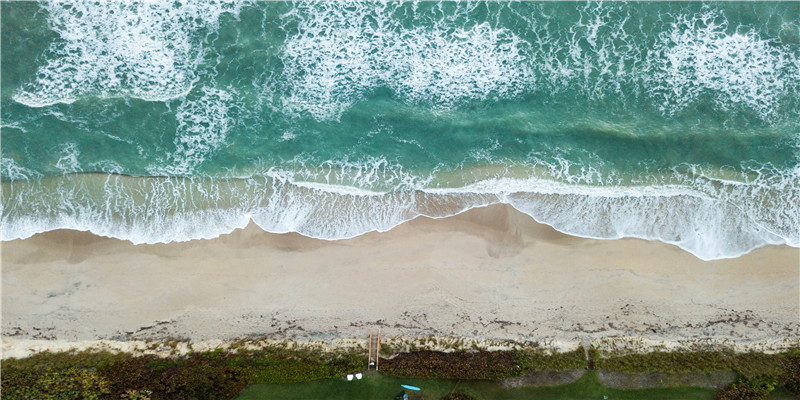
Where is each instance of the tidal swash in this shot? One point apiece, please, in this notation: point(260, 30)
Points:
point(170, 121)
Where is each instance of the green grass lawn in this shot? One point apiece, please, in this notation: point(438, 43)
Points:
point(375, 386)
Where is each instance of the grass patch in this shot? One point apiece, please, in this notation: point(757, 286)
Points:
point(745, 364)
point(376, 386)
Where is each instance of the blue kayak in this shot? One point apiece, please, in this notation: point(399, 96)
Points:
point(409, 387)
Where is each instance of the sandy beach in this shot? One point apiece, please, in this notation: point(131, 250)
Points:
point(490, 273)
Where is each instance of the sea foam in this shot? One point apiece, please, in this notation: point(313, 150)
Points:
point(699, 55)
point(709, 217)
point(203, 123)
point(149, 50)
point(342, 51)
point(337, 54)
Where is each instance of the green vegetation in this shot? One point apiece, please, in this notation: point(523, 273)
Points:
point(487, 365)
point(759, 373)
point(375, 386)
point(745, 364)
point(277, 370)
point(67, 383)
point(791, 372)
point(746, 389)
point(460, 394)
point(209, 375)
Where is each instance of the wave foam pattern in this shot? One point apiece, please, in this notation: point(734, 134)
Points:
point(343, 50)
point(714, 218)
point(337, 54)
point(203, 124)
point(697, 55)
point(143, 49)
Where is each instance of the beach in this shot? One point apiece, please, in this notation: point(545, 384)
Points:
point(227, 199)
point(490, 273)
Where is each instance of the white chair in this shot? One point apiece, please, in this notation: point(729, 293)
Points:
point(349, 377)
point(358, 375)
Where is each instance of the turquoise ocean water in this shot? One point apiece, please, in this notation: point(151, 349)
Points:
point(170, 121)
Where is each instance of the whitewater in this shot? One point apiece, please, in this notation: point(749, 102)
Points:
point(158, 122)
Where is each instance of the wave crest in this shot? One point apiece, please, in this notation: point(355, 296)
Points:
point(714, 218)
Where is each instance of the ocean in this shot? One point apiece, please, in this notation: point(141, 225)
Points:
point(166, 121)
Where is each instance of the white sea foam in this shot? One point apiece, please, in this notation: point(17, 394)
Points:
point(10, 170)
point(107, 166)
point(710, 217)
point(144, 49)
point(699, 55)
point(371, 174)
point(68, 162)
point(597, 57)
point(203, 124)
point(341, 51)
point(287, 135)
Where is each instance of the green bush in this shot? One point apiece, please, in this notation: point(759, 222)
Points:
point(460, 395)
point(222, 375)
point(532, 359)
point(790, 376)
point(488, 365)
point(209, 375)
point(55, 384)
point(748, 389)
point(458, 365)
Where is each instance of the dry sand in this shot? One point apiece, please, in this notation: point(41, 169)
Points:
point(490, 273)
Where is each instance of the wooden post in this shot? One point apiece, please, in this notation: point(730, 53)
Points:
point(369, 350)
point(378, 350)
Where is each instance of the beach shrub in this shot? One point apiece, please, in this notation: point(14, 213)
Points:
point(748, 389)
point(460, 394)
point(209, 375)
point(487, 365)
point(54, 384)
point(534, 359)
point(790, 376)
point(222, 374)
point(137, 394)
point(458, 365)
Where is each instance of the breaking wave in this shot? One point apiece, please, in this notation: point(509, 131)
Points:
point(711, 217)
point(609, 94)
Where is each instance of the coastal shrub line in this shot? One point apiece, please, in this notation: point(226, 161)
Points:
point(485, 365)
point(748, 389)
point(759, 373)
point(223, 374)
point(745, 364)
point(208, 375)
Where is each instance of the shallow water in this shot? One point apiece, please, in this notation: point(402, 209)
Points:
point(159, 121)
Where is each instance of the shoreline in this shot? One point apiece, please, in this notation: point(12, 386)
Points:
point(490, 274)
point(727, 225)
